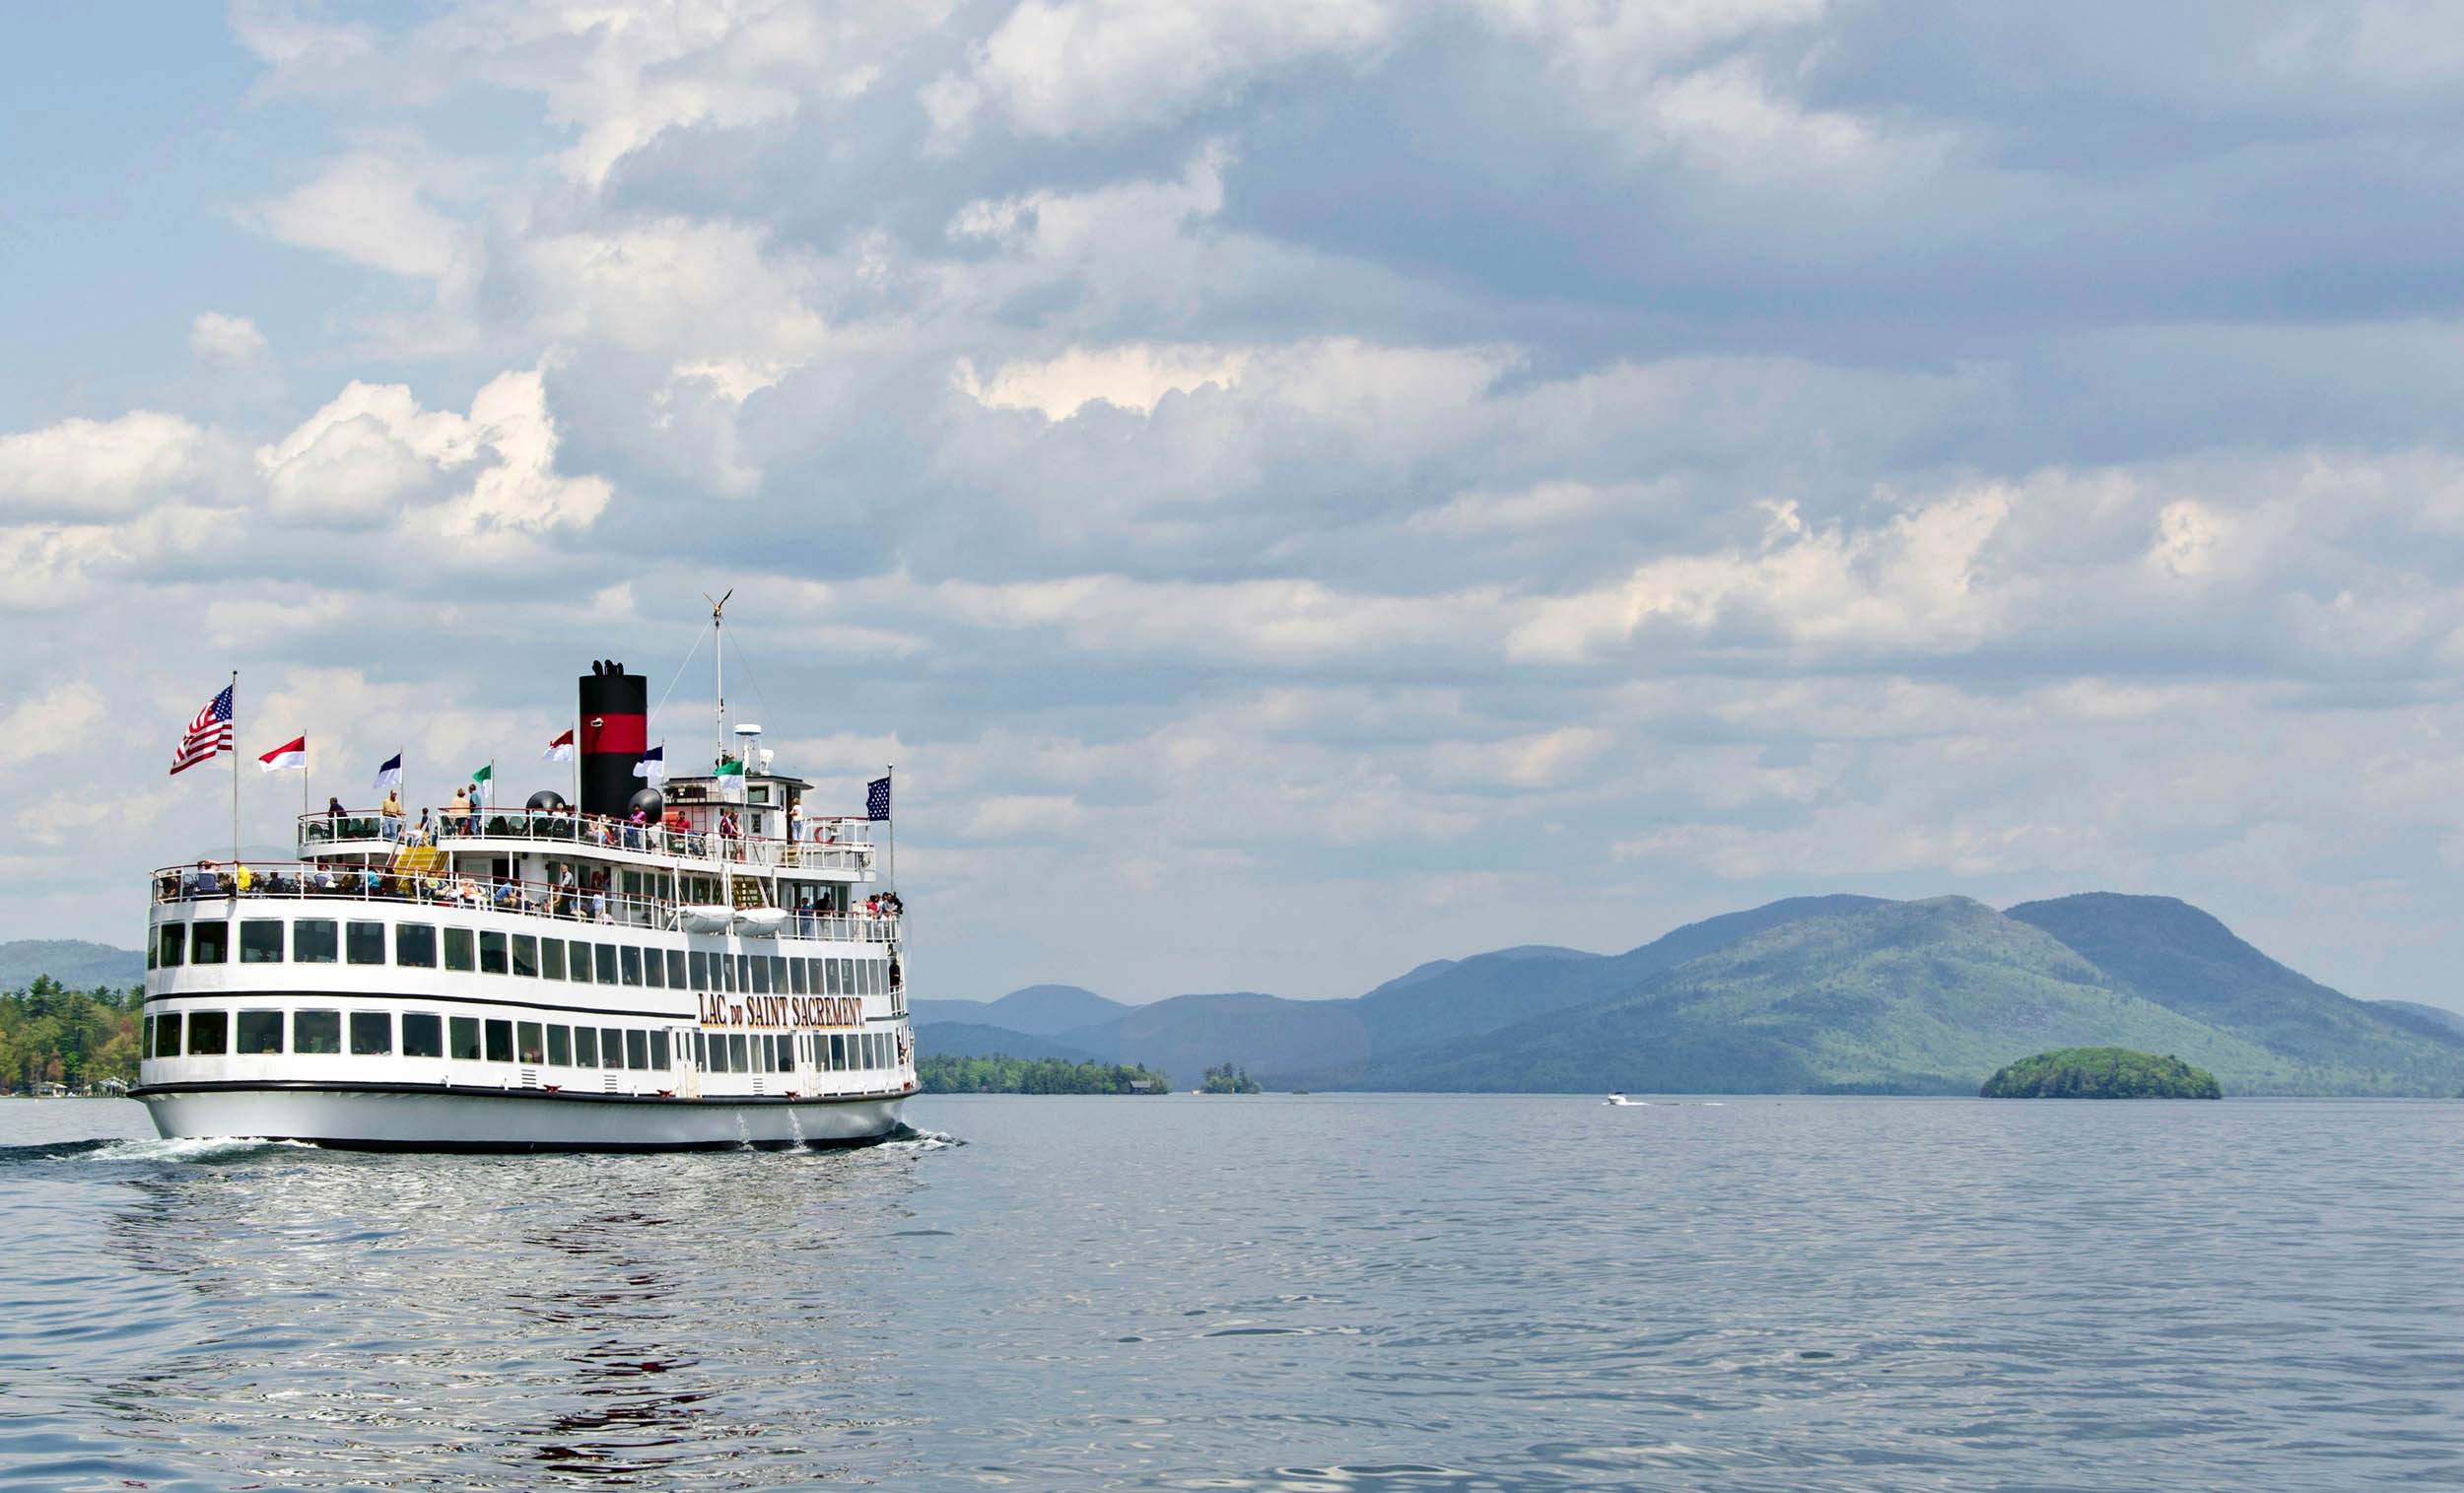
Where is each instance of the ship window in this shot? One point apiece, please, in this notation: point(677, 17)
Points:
point(611, 1047)
point(762, 1061)
point(761, 976)
point(659, 1051)
point(530, 1041)
point(632, 960)
point(637, 1048)
point(675, 969)
point(415, 944)
point(727, 971)
point(499, 1042)
point(578, 962)
point(492, 953)
point(838, 1053)
point(261, 941)
point(701, 1050)
point(585, 1046)
point(464, 1047)
point(312, 941)
point(423, 1034)
point(316, 1031)
point(260, 1031)
point(371, 1032)
point(362, 943)
point(757, 795)
point(605, 962)
point(654, 968)
point(560, 1047)
point(744, 977)
point(812, 976)
point(170, 941)
point(698, 969)
point(209, 1033)
point(209, 943)
point(779, 973)
point(167, 1035)
point(458, 949)
point(526, 955)
point(830, 977)
point(735, 1053)
point(552, 958)
point(795, 975)
point(711, 1051)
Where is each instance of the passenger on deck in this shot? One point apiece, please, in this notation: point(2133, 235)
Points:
point(426, 834)
point(598, 896)
point(390, 814)
point(333, 811)
point(205, 883)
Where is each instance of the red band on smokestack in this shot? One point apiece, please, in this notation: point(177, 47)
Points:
point(614, 733)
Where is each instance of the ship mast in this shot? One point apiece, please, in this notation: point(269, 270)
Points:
point(719, 660)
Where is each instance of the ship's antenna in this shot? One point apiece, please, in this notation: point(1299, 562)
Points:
point(718, 726)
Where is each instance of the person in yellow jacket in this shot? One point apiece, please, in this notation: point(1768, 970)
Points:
point(244, 879)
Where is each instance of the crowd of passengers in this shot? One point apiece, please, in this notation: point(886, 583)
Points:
point(635, 832)
point(583, 898)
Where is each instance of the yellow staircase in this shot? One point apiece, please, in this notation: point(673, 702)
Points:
point(747, 892)
point(417, 860)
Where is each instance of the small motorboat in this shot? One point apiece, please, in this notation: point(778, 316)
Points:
point(1620, 1102)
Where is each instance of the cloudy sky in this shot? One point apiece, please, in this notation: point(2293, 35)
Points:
point(1297, 488)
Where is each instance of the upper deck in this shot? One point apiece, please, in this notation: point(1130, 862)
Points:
point(832, 849)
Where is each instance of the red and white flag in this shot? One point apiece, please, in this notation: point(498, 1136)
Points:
point(560, 749)
point(291, 756)
point(208, 734)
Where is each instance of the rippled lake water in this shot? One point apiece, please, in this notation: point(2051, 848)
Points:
point(1323, 1292)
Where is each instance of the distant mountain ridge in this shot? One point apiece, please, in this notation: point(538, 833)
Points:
point(1841, 993)
point(73, 962)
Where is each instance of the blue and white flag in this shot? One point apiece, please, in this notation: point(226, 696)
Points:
point(877, 798)
point(653, 764)
point(391, 774)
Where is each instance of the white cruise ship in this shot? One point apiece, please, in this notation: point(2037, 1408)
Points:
point(550, 977)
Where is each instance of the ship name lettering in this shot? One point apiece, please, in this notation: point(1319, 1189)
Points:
point(783, 1011)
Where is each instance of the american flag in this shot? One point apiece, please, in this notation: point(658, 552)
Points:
point(208, 734)
point(877, 798)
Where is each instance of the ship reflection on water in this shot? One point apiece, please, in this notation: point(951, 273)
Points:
point(482, 1322)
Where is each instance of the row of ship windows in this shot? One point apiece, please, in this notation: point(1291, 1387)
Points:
point(324, 940)
point(472, 1039)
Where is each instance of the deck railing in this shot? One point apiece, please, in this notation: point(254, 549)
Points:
point(829, 844)
point(288, 881)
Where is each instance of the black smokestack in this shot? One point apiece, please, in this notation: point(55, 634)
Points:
point(614, 729)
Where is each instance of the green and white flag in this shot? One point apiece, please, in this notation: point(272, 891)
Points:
point(731, 769)
point(485, 781)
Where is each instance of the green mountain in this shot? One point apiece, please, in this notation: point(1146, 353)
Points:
point(1904, 997)
point(74, 963)
point(2184, 959)
point(1491, 991)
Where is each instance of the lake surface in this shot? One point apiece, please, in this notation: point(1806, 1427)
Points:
point(1345, 1293)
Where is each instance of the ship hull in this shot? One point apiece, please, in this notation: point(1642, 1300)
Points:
point(379, 1118)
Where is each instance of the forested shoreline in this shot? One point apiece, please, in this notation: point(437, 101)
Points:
point(49, 1034)
point(937, 1074)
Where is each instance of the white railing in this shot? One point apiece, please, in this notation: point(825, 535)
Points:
point(831, 844)
point(220, 881)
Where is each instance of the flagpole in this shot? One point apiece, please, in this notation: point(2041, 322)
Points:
point(234, 781)
point(889, 826)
